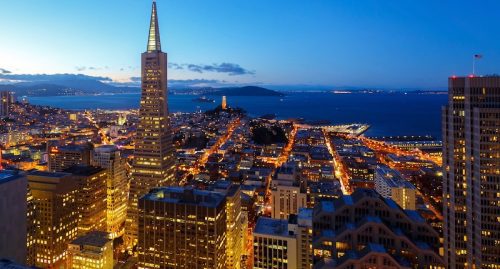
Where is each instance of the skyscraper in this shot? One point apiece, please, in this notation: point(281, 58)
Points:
point(235, 243)
point(13, 211)
point(5, 102)
point(153, 164)
point(182, 227)
point(284, 243)
point(56, 216)
point(63, 157)
point(287, 193)
point(90, 198)
point(109, 157)
point(471, 162)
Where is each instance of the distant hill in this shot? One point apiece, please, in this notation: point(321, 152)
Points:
point(78, 84)
point(65, 87)
point(42, 89)
point(245, 91)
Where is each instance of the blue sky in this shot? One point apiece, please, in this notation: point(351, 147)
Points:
point(334, 43)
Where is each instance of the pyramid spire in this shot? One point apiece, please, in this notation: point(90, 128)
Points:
point(154, 31)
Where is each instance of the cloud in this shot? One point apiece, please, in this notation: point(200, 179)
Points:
point(93, 68)
point(50, 77)
point(195, 82)
point(177, 83)
point(4, 71)
point(231, 69)
point(175, 66)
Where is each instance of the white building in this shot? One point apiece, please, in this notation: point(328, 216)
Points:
point(284, 243)
point(287, 199)
point(287, 194)
point(391, 184)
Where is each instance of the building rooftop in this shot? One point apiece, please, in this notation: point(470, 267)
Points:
point(83, 170)
point(393, 178)
point(414, 215)
point(269, 226)
point(305, 213)
point(360, 193)
point(106, 149)
point(71, 148)
point(324, 187)
point(48, 174)
point(185, 195)
point(95, 238)
point(8, 175)
point(8, 264)
point(288, 169)
point(327, 206)
point(227, 187)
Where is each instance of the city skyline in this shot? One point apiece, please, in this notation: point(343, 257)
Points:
point(366, 44)
point(197, 179)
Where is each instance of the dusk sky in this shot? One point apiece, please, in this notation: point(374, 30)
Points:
point(385, 44)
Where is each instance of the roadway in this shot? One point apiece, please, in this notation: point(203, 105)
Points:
point(338, 166)
point(384, 148)
point(204, 158)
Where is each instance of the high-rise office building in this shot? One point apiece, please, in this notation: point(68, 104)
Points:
point(56, 215)
point(471, 163)
point(236, 226)
point(63, 157)
point(284, 243)
point(6, 98)
point(91, 251)
point(274, 246)
point(287, 199)
point(301, 224)
point(287, 193)
point(90, 198)
point(109, 157)
point(31, 223)
point(153, 164)
point(366, 230)
point(13, 211)
point(182, 227)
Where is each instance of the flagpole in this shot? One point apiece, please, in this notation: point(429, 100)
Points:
point(473, 64)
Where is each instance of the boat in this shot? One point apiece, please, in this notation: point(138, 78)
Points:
point(203, 99)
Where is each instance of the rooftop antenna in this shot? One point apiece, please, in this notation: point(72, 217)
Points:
point(474, 58)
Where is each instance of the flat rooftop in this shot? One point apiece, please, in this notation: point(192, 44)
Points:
point(48, 174)
point(95, 238)
point(8, 175)
point(393, 178)
point(106, 148)
point(7, 264)
point(185, 195)
point(72, 148)
point(269, 226)
point(83, 170)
